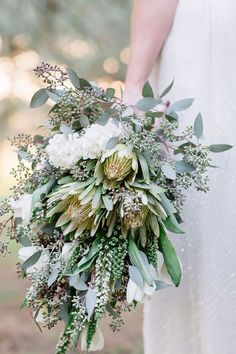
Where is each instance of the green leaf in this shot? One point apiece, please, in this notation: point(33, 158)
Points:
point(110, 92)
point(170, 258)
point(74, 78)
point(39, 98)
point(167, 90)
point(181, 105)
point(65, 180)
point(90, 301)
point(172, 117)
point(24, 155)
point(32, 260)
point(77, 283)
point(161, 285)
point(184, 167)
point(84, 83)
point(168, 171)
point(147, 103)
point(144, 167)
point(198, 126)
point(97, 197)
point(53, 95)
point(219, 147)
point(138, 261)
point(167, 205)
point(136, 276)
point(88, 259)
point(172, 225)
point(84, 121)
point(147, 90)
point(112, 142)
point(38, 138)
point(108, 202)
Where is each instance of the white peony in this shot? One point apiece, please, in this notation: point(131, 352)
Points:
point(64, 151)
point(134, 292)
point(22, 208)
point(96, 137)
point(25, 253)
point(97, 341)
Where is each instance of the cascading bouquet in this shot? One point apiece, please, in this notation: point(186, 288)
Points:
point(94, 200)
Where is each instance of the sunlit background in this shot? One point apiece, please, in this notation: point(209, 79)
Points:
point(93, 38)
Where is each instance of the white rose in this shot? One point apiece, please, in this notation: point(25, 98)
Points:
point(97, 341)
point(64, 151)
point(25, 253)
point(134, 292)
point(22, 208)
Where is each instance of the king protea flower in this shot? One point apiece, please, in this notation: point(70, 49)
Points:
point(75, 205)
point(120, 163)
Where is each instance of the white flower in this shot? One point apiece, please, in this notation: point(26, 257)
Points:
point(64, 151)
point(22, 208)
point(26, 252)
point(134, 292)
point(66, 250)
point(97, 341)
point(96, 137)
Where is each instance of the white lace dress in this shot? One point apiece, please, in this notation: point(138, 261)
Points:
point(199, 317)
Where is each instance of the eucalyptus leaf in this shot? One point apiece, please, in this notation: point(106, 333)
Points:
point(88, 259)
point(184, 167)
point(84, 121)
point(198, 126)
point(147, 103)
point(181, 105)
point(32, 260)
point(168, 171)
point(110, 92)
point(167, 90)
point(90, 301)
point(112, 142)
point(24, 240)
point(147, 90)
point(170, 258)
point(76, 282)
point(219, 147)
point(74, 78)
point(103, 119)
point(161, 285)
point(39, 98)
point(66, 129)
point(54, 274)
point(53, 95)
point(136, 276)
point(42, 190)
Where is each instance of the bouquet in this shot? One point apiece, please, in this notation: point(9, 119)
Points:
point(95, 199)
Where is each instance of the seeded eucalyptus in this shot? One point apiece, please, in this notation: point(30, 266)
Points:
point(94, 200)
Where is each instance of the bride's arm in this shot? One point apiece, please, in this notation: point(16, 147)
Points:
point(150, 25)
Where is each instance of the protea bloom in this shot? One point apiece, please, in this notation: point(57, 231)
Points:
point(119, 163)
point(75, 205)
point(134, 209)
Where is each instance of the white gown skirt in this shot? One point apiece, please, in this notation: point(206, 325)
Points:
point(199, 317)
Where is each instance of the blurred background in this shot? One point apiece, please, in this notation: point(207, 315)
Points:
point(93, 38)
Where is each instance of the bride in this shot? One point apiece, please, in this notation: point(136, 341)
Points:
point(194, 43)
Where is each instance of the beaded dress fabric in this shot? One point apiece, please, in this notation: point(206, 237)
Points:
point(199, 317)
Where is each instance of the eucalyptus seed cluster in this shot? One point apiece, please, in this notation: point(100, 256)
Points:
point(21, 174)
point(119, 248)
point(92, 326)
point(81, 173)
point(52, 75)
point(103, 269)
point(169, 131)
point(151, 250)
point(21, 141)
point(144, 142)
point(197, 156)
